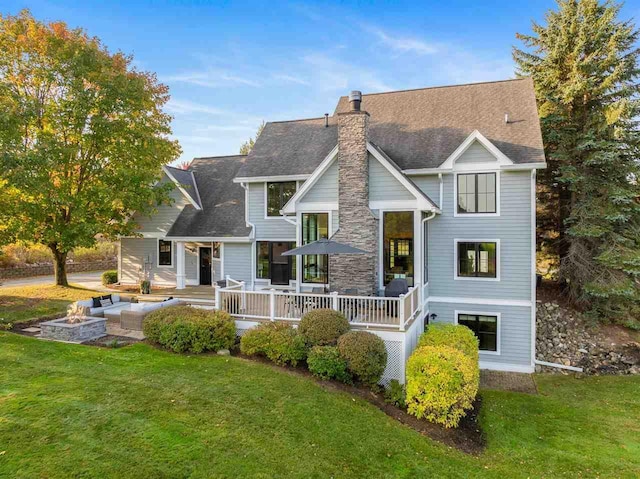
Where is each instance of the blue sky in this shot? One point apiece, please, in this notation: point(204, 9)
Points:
point(231, 65)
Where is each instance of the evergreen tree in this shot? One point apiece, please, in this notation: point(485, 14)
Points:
point(247, 146)
point(584, 63)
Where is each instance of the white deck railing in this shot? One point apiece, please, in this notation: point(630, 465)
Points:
point(275, 305)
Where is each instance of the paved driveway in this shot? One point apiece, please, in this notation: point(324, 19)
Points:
point(89, 280)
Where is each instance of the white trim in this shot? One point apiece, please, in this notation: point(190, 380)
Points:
point(194, 239)
point(290, 207)
point(514, 368)
point(423, 203)
point(533, 265)
point(313, 207)
point(273, 179)
point(193, 178)
point(400, 205)
point(476, 215)
point(435, 171)
point(222, 276)
point(487, 301)
point(559, 366)
point(457, 312)
point(173, 251)
point(473, 278)
point(266, 203)
point(381, 242)
point(330, 233)
point(246, 211)
point(475, 135)
point(182, 190)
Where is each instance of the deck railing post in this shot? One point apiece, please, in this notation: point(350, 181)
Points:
point(402, 308)
point(217, 295)
point(412, 301)
point(334, 300)
point(272, 305)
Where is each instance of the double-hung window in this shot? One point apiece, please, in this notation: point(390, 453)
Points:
point(476, 193)
point(165, 253)
point(315, 268)
point(485, 327)
point(477, 259)
point(278, 194)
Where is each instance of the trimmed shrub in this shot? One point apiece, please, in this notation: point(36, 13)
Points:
point(453, 335)
point(185, 329)
point(442, 383)
point(365, 354)
point(395, 394)
point(325, 362)
point(278, 342)
point(323, 327)
point(109, 277)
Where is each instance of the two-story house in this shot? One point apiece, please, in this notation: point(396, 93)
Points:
point(437, 185)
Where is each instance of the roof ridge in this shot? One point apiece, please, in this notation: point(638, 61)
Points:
point(217, 156)
point(442, 86)
point(300, 119)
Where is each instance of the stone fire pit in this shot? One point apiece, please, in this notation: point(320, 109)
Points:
point(75, 327)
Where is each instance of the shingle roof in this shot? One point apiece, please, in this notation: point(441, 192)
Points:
point(185, 179)
point(416, 128)
point(222, 213)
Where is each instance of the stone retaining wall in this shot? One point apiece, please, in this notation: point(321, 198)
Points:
point(565, 337)
point(47, 269)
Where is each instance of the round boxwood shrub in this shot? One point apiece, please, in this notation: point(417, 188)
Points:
point(365, 354)
point(185, 329)
point(279, 342)
point(109, 277)
point(453, 335)
point(442, 383)
point(322, 327)
point(325, 362)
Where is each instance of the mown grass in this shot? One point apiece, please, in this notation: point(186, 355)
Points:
point(79, 411)
point(23, 303)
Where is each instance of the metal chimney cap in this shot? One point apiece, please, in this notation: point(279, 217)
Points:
point(355, 95)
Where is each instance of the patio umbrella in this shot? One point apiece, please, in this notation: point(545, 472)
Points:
point(324, 246)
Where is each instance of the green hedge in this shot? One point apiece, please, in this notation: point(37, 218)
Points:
point(109, 277)
point(186, 329)
point(442, 383)
point(365, 354)
point(325, 362)
point(276, 341)
point(323, 327)
point(453, 335)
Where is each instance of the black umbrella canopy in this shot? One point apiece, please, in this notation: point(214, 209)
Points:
point(324, 246)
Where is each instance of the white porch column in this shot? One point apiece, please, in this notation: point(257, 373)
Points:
point(180, 260)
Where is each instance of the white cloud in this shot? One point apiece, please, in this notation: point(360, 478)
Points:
point(290, 79)
point(402, 44)
point(186, 107)
point(335, 75)
point(211, 79)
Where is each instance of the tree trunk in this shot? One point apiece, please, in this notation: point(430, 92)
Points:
point(60, 266)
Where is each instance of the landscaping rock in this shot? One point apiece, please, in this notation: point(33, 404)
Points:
point(565, 337)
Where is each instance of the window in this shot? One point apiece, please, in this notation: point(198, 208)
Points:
point(165, 254)
point(477, 260)
point(477, 193)
point(277, 196)
point(398, 246)
point(262, 264)
point(272, 265)
point(315, 268)
point(216, 250)
point(484, 327)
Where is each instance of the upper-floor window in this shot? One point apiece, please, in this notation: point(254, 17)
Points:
point(278, 194)
point(476, 193)
point(165, 253)
point(477, 259)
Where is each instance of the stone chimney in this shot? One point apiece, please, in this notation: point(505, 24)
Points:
point(358, 225)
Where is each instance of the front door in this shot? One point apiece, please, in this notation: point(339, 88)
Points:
point(205, 266)
point(280, 266)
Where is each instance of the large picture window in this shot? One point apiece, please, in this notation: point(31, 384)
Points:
point(272, 265)
point(484, 327)
point(165, 253)
point(477, 260)
point(398, 246)
point(477, 193)
point(315, 268)
point(278, 194)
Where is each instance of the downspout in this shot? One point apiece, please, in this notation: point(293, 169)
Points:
point(441, 189)
point(252, 235)
point(424, 259)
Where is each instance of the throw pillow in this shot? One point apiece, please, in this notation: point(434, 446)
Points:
point(105, 302)
point(96, 301)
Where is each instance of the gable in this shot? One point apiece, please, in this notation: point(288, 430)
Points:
point(325, 189)
point(476, 154)
point(160, 222)
point(383, 185)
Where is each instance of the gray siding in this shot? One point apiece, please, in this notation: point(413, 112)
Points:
point(191, 264)
point(272, 228)
point(162, 221)
point(430, 185)
point(383, 186)
point(476, 153)
point(326, 188)
point(140, 252)
point(512, 227)
point(237, 261)
point(515, 329)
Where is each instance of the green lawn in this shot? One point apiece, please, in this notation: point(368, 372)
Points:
point(80, 411)
point(22, 303)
